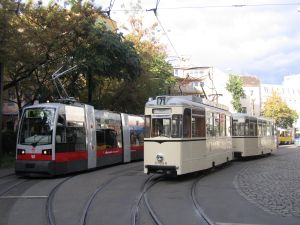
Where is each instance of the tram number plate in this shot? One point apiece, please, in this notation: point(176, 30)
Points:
point(161, 163)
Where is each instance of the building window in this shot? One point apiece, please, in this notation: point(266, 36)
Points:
point(243, 96)
point(176, 71)
point(244, 109)
point(266, 90)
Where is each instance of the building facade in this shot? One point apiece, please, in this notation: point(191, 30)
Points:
point(251, 102)
point(211, 82)
point(204, 81)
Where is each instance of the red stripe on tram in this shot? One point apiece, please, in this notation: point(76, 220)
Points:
point(71, 156)
point(34, 156)
point(109, 151)
point(137, 148)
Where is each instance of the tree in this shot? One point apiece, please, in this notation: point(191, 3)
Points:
point(43, 38)
point(275, 107)
point(235, 87)
point(156, 75)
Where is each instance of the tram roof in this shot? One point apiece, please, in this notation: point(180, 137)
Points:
point(187, 100)
point(53, 104)
point(244, 115)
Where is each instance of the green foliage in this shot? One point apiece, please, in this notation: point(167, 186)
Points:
point(43, 38)
point(235, 87)
point(277, 109)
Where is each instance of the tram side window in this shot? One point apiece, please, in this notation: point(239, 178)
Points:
point(177, 126)
point(259, 128)
point(147, 126)
point(238, 128)
point(70, 136)
point(222, 125)
point(264, 128)
point(198, 123)
point(247, 124)
point(106, 138)
point(228, 126)
point(252, 127)
point(269, 129)
point(273, 129)
point(217, 124)
point(210, 124)
point(187, 123)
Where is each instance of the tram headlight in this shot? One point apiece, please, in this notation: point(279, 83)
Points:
point(46, 152)
point(21, 152)
point(160, 157)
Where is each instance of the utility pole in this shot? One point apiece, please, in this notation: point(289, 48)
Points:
point(1, 104)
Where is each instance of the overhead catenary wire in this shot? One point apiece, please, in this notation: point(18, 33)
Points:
point(162, 27)
point(216, 6)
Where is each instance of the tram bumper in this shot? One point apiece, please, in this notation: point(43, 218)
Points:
point(35, 167)
point(168, 170)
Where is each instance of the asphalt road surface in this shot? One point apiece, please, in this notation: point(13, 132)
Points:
point(261, 191)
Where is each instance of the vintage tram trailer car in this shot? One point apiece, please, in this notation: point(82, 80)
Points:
point(252, 136)
point(56, 138)
point(184, 134)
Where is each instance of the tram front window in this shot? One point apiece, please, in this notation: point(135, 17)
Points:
point(37, 126)
point(161, 127)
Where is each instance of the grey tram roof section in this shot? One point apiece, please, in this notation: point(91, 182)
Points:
point(187, 100)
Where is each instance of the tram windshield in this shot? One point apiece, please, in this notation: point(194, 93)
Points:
point(161, 127)
point(37, 126)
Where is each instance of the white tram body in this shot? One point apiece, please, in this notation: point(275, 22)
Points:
point(252, 136)
point(56, 138)
point(184, 134)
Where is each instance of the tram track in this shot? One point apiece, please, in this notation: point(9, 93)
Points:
point(199, 211)
point(99, 189)
point(11, 187)
point(83, 219)
point(5, 180)
point(50, 218)
point(149, 182)
point(7, 175)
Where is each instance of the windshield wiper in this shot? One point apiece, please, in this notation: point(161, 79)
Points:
point(34, 144)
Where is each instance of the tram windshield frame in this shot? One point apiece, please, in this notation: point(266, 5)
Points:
point(161, 127)
point(36, 127)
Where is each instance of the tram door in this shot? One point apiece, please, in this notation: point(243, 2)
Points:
point(126, 138)
point(91, 136)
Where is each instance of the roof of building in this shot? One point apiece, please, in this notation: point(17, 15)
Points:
point(250, 81)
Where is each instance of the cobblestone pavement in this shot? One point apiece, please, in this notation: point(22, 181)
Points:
point(273, 183)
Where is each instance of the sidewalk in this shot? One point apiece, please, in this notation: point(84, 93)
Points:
point(6, 171)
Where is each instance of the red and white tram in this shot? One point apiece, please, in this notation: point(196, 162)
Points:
point(56, 138)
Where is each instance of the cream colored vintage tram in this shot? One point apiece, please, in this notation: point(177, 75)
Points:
point(184, 134)
point(252, 135)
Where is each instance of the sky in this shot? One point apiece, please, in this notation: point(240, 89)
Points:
point(261, 38)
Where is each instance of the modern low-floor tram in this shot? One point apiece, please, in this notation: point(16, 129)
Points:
point(56, 138)
point(184, 134)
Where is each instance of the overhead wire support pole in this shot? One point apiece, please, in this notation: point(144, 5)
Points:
point(111, 4)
